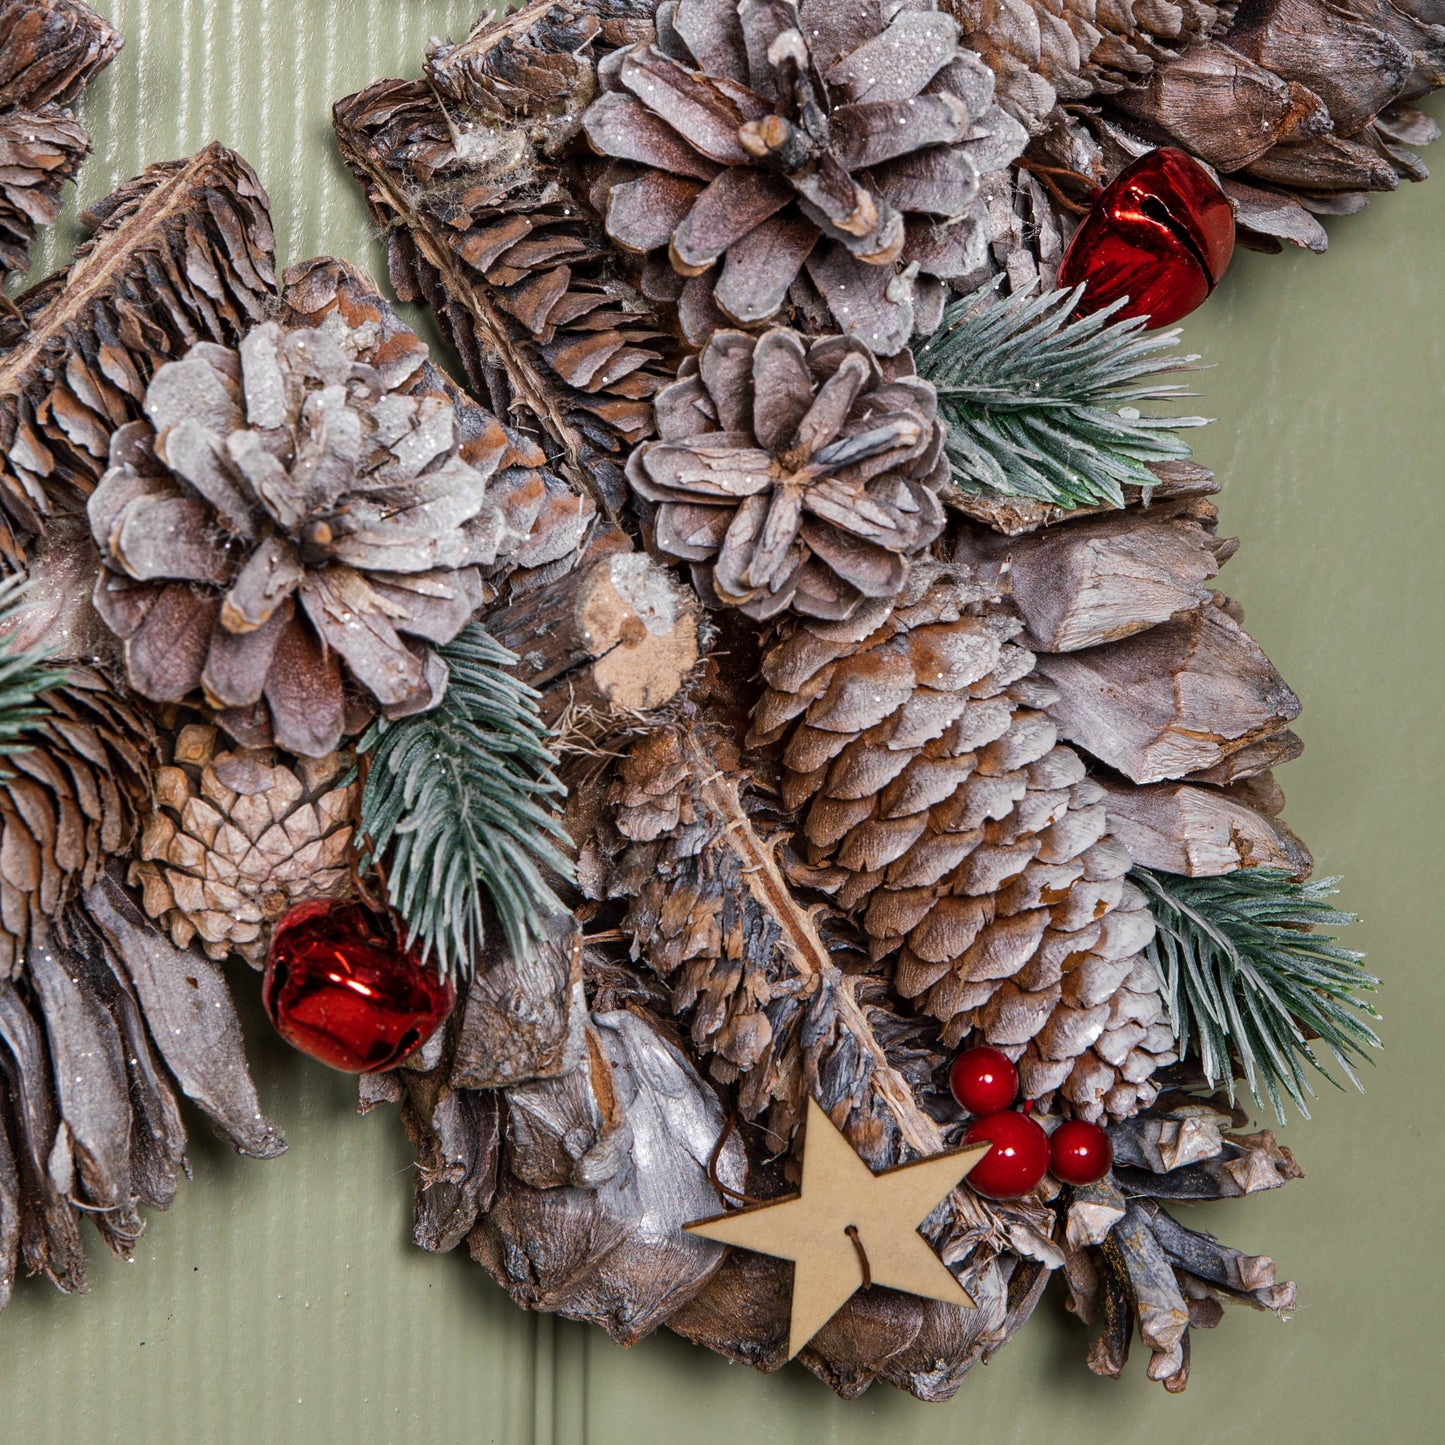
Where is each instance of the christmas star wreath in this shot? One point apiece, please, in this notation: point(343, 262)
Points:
point(758, 771)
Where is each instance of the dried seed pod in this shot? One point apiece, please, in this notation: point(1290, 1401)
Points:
point(102, 1029)
point(1131, 1264)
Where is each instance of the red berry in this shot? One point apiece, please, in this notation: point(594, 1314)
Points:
point(1079, 1153)
point(1018, 1160)
point(341, 986)
point(1161, 233)
point(983, 1080)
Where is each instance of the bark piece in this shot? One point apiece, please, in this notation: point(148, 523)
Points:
point(457, 1137)
point(523, 1018)
point(191, 1018)
point(618, 638)
point(615, 1256)
point(1191, 696)
point(1104, 578)
point(1200, 832)
point(570, 1130)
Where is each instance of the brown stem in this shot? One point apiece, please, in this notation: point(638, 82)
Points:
point(1047, 173)
point(852, 1233)
point(712, 1164)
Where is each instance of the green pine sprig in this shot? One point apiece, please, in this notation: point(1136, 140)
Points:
point(1042, 406)
point(458, 803)
point(25, 676)
point(1250, 980)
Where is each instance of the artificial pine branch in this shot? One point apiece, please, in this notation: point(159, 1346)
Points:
point(24, 677)
point(457, 804)
point(1249, 980)
point(1042, 406)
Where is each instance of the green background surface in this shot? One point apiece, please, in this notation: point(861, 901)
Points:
point(282, 1301)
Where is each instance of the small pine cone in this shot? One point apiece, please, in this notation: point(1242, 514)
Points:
point(765, 140)
point(68, 800)
point(794, 476)
point(286, 509)
point(234, 837)
point(1046, 51)
point(943, 813)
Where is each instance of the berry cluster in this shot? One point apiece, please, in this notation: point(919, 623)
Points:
point(985, 1082)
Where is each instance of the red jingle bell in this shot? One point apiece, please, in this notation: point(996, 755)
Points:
point(1079, 1153)
point(341, 986)
point(983, 1080)
point(1018, 1160)
point(1161, 233)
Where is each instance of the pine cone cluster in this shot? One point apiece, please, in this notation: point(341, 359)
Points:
point(760, 141)
point(794, 474)
point(282, 510)
point(868, 790)
point(1302, 107)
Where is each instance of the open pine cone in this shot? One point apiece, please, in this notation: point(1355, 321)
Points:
point(285, 509)
point(776, 137)
point(794, 475)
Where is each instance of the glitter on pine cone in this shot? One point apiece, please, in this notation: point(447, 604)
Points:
point(1158, 239)
point(342, 987)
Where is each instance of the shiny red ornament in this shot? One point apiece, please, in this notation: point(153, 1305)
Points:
point(1079, 1153)
point(1161, 233)
point(341, 986)
point(1018, 1160)
point(983, 1080)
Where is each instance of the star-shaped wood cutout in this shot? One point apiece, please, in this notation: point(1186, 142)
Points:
point(843, 1206)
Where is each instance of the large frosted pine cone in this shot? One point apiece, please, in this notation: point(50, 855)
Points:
point(794, 475)
point(236, 836)
point(770, 137)
point(289, 525)
point(939, 808)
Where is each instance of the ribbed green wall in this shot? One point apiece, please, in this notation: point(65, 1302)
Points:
point(282, 1302)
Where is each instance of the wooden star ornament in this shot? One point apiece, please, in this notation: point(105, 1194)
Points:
point(844, 1214)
